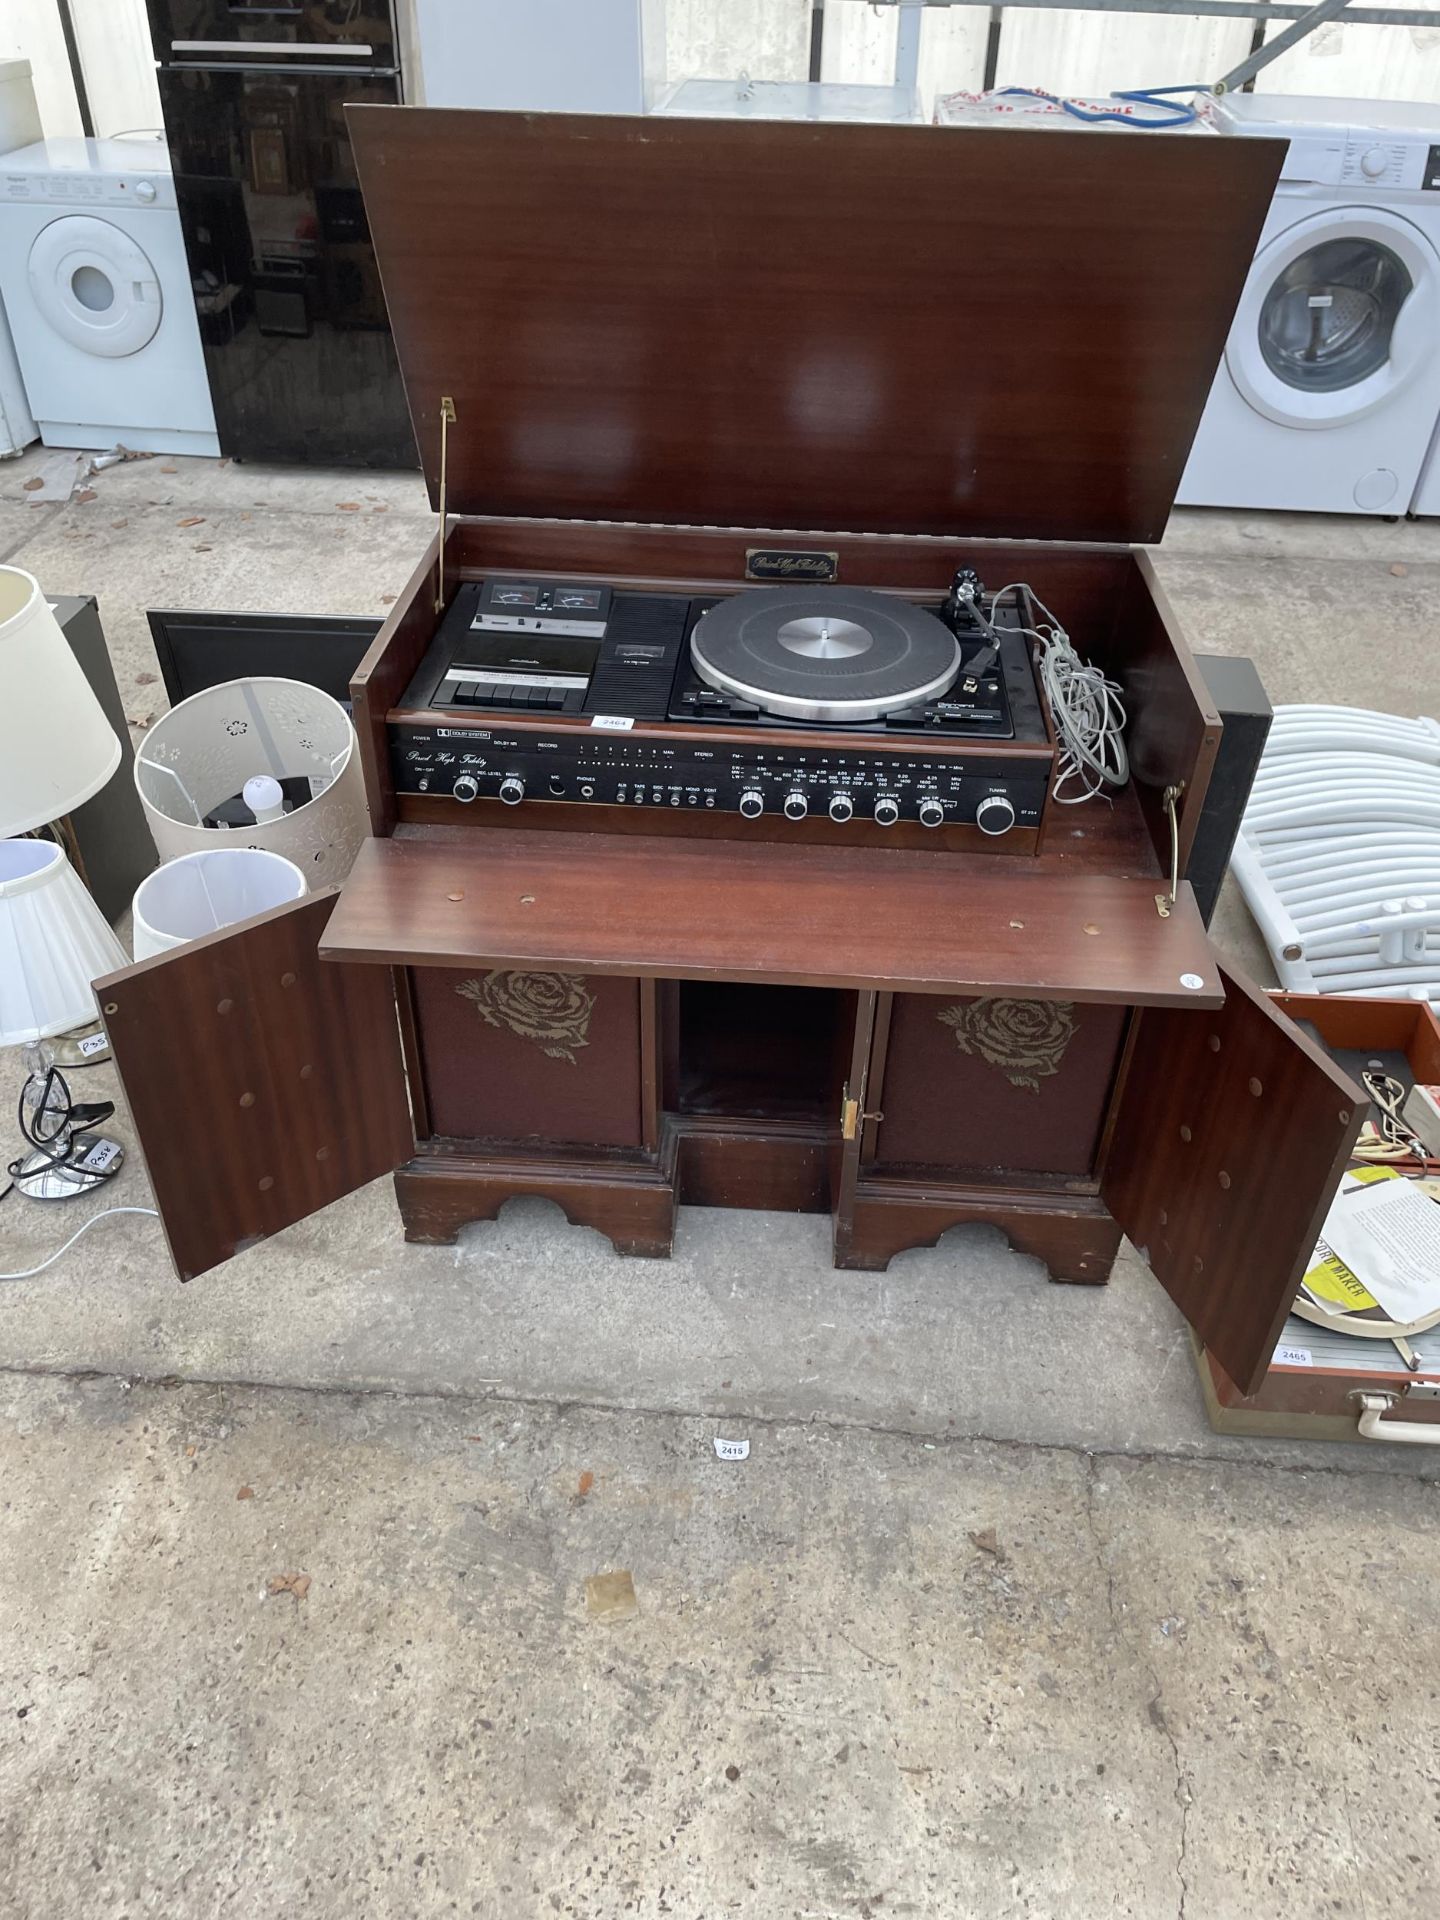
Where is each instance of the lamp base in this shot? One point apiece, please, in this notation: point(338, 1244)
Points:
point(92, 1161)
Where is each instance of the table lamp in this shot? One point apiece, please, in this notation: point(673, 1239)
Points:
point(263, 762)
point(56, 746)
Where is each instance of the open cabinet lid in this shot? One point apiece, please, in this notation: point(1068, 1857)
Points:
point(1233, 1134)
point(261, 1084)
point(791, 325)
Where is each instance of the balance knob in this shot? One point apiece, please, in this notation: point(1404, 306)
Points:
point(841, 806)
point(796, 805)
point(932, 814)
point(995, 814)
point(752, 803)
point(887, 811)
point(512, 789)
point(466, 788)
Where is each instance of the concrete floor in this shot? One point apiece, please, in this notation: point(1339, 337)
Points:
point(988, 1623)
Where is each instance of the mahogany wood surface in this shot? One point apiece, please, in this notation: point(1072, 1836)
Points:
point(676, 909)
point(1309, 1403)
point(1072, 1235)
point(826, 325)
point(779, 1166)
point(383, 675)
point(631, 1200)
point(1233, 1132)
point(261, 1084)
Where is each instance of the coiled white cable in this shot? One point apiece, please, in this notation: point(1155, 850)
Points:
point(1089, 715)
point(60, 1252)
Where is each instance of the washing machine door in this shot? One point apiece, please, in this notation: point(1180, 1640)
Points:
point(95, 285)
point(1337, 317)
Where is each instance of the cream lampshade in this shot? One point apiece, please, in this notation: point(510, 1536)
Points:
point(256, 763)
point(56, 746)
point(201, 892)
point(53, 943)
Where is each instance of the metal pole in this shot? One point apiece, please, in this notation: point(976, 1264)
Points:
point(907, 43)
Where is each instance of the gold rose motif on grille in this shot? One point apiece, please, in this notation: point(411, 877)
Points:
point(1026, 1039)
point(551, 1009)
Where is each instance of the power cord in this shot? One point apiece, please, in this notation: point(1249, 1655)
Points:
point(94, 1221)
point(1164, 100)
point(1089, 714)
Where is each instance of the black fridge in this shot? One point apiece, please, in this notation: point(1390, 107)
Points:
point(302, 366)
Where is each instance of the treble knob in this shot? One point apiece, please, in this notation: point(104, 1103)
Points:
point(887, 811)
point(512, 790)
point(796, 805)
point(841, 806)
point(466, 788)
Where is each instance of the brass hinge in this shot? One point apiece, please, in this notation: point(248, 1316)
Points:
point(1165, 901)
point(447, 420)
point(850, 1114)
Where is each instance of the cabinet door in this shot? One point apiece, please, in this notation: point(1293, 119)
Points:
point(846, 1144)
point(262, 1082)
point(1232, 1135)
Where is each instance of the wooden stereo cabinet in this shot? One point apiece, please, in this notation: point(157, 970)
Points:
point(638, 351)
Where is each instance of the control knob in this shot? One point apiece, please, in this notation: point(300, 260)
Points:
point(512, 790)
point(887, 810)
point(145, 191)
point(841, 806)
point(1372, 162)
point(752, 803)
point(932, 813)
point(995, 814)
point(466, 788)
point(796, 805)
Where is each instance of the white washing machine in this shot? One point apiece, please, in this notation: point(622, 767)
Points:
point(94, 281)
point(1329, 390)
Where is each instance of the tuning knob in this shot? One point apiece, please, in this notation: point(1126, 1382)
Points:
point(887, 811)
point(512, 790)
point(995, 814)
point(841, 806)
point(466, 788)
point(932, 814)
point(796, 805)
point(752, 803)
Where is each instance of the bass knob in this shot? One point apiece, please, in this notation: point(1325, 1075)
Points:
point(995, 814)
point(512, 790)
point(796, 805)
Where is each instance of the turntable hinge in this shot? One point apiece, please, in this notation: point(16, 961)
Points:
point(447, 420)
point(850, 1114)
point(1165, 901)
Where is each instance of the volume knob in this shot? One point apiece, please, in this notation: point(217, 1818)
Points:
point(512, 790)
point(995, 814)
point(796, 805)
point(466, 788)
point(752, 803)
point(932, 813)
point(887, 811)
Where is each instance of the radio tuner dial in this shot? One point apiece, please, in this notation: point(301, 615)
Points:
point(512, 790)
point(932, 814)
point(887, 811)
point(796, 805)
point(752, 803)
point(841, 806)
point(466, 788)
point(995, 814)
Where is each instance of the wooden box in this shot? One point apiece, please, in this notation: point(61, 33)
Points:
point(638, 351)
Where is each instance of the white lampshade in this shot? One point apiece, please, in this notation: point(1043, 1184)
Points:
point(225, 749)
point(56, 746)
point(53, 943)
point(201, 892)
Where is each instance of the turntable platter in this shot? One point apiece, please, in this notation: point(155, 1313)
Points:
point(827, 654)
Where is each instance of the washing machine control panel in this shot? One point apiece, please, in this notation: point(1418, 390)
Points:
point(79, 188)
